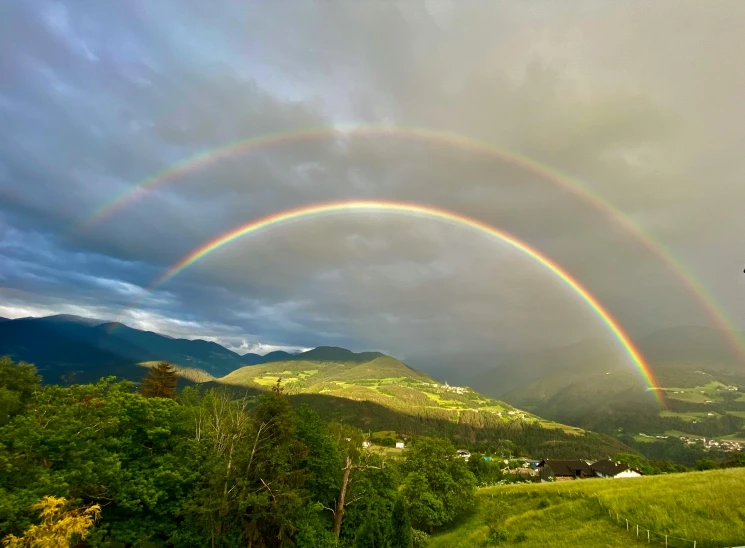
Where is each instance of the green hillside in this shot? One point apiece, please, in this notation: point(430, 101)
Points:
point(385, 394)
point(702, 506)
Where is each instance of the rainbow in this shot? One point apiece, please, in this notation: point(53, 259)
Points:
point(407, 208)
point(211, 156)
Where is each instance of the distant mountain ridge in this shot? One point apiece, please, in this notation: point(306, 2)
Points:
point(90, 348)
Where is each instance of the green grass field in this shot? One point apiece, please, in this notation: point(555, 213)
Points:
point(708, 507)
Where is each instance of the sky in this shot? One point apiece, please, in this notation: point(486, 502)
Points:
point(640, 102)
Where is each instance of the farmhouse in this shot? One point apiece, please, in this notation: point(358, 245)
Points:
point(561, 470)
point(610, 469)
point(462, 453)
point(400, 445)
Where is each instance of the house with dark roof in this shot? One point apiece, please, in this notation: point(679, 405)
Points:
point(561, 470)
point(610, 469)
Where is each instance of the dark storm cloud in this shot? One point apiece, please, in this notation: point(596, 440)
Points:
point(641, 104)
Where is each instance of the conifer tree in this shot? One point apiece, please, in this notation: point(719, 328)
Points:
point(401, 536)
point(160, 382)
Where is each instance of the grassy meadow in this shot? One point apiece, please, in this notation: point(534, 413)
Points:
point(708, 507)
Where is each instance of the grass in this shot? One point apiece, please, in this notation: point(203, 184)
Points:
point(708, 507)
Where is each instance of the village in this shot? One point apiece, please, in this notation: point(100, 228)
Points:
point(728, 446)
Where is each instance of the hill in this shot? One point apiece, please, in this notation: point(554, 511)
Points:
point(384, 394)
point(63, 345)
point(700, 506)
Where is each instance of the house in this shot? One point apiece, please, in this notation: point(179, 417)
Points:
point(562, 470)
point(462, 453)
point(366, 444)
point(610, 469)
point(532, 464)
point(400, 445)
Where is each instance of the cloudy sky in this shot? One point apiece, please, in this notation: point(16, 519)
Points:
point(640, 102)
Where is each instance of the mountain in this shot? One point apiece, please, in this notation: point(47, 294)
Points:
point(89, 348)
point(323, 354)
point(520, 369)
point(702, 383)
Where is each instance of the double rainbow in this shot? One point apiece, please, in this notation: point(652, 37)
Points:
point(209, 157)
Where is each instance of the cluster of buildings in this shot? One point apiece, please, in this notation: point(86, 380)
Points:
point(448, 388)
point(726, 445)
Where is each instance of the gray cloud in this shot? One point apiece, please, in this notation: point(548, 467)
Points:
point(639, 103)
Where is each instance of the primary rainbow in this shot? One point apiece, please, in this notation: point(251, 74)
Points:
point(407, 208)
point(211, 156)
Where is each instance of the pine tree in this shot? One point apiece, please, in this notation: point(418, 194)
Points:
point(160, 382)
point(401, 536)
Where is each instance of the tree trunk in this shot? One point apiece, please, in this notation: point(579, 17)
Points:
point(339, 514)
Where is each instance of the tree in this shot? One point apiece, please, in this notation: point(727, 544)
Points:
point(401, 536)
point(438, 486)
point(18, 381)
point(706, 464)
point(58, 527)
point(160, 382)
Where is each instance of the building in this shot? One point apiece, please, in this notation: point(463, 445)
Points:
point(400, 445)
point(610, 469)
point(462, 453)
point(562, 470)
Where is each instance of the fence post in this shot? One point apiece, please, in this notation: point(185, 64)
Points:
point(637, 532)
point(694, 544)
point(617, 518)
point(648, 536)
point(665, 541)
point(627, 525)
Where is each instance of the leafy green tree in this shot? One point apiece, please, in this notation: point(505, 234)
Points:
point(323, 461)
point(735, 460)
point(706, 464)
point(438, 486)
point(161, 381)
point(401, 536)
point(18, 381)
point(102, 444)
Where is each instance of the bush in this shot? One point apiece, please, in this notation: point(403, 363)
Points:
point(497, 536)
point(520, 537)
point(421, 539)
point(544, 503)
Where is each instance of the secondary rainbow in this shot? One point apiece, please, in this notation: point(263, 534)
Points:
point(415, 209)
point(437, 137)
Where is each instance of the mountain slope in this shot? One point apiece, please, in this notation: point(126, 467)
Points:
point(63, 344)
point(386, 394)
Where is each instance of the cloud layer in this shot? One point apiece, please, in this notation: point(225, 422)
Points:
point(641, 103)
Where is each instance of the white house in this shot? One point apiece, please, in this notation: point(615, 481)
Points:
point(610, 469)
point(463, 454)
point(400, 445)
point(366, 444)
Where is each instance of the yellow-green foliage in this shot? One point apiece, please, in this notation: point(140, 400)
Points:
point(708, 507)
point(58, 527)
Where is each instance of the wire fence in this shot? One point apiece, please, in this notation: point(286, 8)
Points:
point(642, 533)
